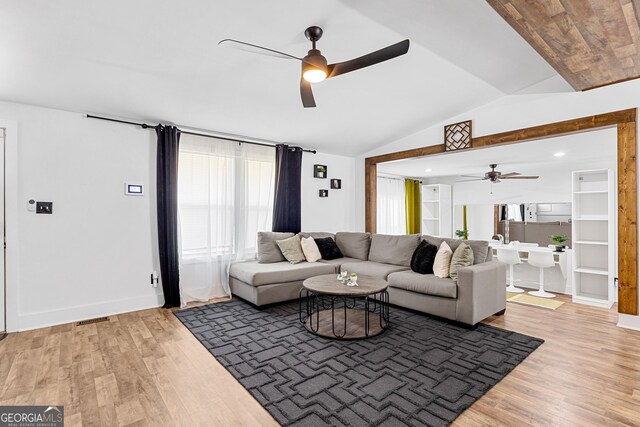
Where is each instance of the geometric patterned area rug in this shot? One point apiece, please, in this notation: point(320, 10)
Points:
point(421, 371)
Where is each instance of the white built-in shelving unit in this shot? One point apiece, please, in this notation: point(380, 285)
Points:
point(436, 210)
point(594, 221)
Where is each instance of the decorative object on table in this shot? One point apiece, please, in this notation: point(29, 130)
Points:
point(323, 193)
point(353, 280)
point(457, 136)
point(336, 184)
point(558, 240)
point(320, 171)
point(342, 276)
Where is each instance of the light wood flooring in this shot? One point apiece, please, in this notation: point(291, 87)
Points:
point(145, 368)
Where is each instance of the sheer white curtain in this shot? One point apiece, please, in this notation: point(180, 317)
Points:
point(391, 214)
point(225, 196)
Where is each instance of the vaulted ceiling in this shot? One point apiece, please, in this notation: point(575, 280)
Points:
point(159, 61)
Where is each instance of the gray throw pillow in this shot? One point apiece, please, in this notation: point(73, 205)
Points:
point(268, 250)
point(291, 249)
point(462, 257)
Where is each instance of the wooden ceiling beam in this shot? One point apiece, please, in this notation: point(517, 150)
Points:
point(590, 43)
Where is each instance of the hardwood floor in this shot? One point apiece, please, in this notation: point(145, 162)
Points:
point(145, 368)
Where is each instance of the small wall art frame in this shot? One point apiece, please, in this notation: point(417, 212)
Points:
point(336, 184)
point(320, 171)
point(323, 193)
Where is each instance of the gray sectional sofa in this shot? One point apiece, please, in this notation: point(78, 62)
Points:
point(478, 293)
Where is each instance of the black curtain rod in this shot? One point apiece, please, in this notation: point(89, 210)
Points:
point(146, 126)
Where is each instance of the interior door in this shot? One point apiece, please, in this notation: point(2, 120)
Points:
point(3, 292)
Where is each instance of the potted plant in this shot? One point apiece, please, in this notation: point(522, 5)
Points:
point(463, 234)
point(558, 240)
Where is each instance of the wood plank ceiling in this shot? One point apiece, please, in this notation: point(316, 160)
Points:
point(590, 43)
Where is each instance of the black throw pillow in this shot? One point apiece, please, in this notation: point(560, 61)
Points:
point(423, 257)
point(328, 248)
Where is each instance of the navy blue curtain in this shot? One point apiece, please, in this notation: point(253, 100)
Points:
point(287, 203)
point(167, 194)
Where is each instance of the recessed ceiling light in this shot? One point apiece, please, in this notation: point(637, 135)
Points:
point(558, 154)
point(428, 170)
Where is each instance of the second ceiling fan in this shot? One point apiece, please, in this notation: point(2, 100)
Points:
point(495, 176)
point(315, 67)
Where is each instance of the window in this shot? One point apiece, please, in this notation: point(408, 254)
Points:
point(225, 196)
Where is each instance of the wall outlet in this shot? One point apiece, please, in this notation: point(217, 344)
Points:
point(44, 207)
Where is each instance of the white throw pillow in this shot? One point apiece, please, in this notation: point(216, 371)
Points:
point(442, 261)
point(310, 249)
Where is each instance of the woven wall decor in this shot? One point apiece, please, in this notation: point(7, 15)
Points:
point(457, 136)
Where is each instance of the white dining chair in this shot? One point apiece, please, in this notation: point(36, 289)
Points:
point(510, 257)
point(542, 260)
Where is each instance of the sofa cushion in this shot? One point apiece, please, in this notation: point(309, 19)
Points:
point(373, 269)
point(268, 250)
point(423, 258)
point(338, 262)
point(291, 249)
point(481, 252)
point(427, 284)
point(396, 250)
point(310, 249)
point(354, 245)
point(328, 248)
point(316, 234)
point(257, 274)
point(443, 261)
point(462, 257)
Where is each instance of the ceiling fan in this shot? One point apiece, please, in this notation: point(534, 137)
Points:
point(495, 176)
point(314, 65)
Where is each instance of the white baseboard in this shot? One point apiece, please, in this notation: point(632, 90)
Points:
point(628, 321)
point(42, 319)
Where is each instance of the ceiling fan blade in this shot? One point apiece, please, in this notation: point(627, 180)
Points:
point(473, 176)
point(467, 180)
point(306, 94)
point(254, 48)
point(510, 174)
point(519, 177)
point(372, 58)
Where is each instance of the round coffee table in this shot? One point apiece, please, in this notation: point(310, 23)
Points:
point(334, 310)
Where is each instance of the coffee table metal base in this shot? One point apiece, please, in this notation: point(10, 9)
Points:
point(344, 317)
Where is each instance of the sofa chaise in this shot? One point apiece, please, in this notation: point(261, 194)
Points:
point(478, 292)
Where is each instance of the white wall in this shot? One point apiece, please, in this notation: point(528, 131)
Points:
point(93, 256)
point(336, 212)
point(520, 111)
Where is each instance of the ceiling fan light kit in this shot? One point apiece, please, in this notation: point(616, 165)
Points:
point(315, 68)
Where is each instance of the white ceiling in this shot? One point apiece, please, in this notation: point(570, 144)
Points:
point(581, 151)
point(159, 61)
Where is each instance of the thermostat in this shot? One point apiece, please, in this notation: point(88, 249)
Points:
point(133, 190)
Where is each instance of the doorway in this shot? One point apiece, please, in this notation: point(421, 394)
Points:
point(3, 288)
point(623, 121)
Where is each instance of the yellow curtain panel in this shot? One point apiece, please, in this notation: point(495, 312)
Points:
point(412, 200)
